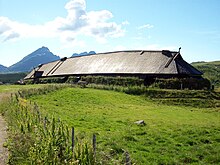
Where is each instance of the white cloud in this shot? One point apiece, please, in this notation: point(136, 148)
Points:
point(4, 27)
point(75, 5)
point(77, 22)
point(10, 36)
point(6, 30)
point(125, 23)
point(147, 26)
point(14, 30)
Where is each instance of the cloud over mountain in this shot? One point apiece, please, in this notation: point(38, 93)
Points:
point(78, 22)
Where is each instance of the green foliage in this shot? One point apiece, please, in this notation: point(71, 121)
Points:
point(108, 80)
point(183, 83)
point(211, 71)
point(135, 83)
point(134, 90)
point(84, 154)
point(11, 77)
point(49, 80)
point(33, 141)
point(72, 79)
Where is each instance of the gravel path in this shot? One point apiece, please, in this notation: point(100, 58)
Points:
point(3, 137)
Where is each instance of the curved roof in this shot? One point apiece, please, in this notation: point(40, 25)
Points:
point(120, 62)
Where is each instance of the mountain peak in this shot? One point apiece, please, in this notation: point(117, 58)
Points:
point(45, 48)
point(42, 49)
point(39, 56)
point(3, 69)
point(83, 53)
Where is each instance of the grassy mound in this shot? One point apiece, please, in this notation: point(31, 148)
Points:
point(192, 98)
point(211, 71)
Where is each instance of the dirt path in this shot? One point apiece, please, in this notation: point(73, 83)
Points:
point(3, 137)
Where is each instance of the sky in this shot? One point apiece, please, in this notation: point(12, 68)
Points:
point(75, 26)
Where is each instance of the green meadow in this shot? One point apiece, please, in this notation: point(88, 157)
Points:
point(15, 88)
point(171, 135)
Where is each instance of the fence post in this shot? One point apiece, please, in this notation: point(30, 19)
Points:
point(45, 122)
point(127, 158)
point(73, 142)
point(94, 146)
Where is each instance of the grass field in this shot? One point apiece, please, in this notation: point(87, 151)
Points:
point(172, 134)
point(15, 88)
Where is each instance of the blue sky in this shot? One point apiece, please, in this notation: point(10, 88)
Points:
point(74, 26)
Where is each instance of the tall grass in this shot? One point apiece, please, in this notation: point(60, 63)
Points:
point(25, 93)
point(38, 139)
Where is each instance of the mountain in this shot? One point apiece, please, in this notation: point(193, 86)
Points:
point(40, 56)
point(3, 69)
point(211, 70)
point(83, 54)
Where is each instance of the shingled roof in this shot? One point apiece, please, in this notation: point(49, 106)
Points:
point(137, 62)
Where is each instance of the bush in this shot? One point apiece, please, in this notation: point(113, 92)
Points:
point(72, 79)
point(183, 83)
point(48, 80)
point(118, 81)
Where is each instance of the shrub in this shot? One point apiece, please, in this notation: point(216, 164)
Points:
point(47, 80)
point(115, 81)
point(183, 83)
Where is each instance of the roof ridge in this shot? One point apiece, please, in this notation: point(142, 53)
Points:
point(120, 51)
point(140, 50)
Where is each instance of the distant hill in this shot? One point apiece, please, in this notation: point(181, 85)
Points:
point(3, 69)
point(11, 77)
point(41, 55)
point(211, 70)
point(83, 53)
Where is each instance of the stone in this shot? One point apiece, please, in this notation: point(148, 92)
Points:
point(140, 122)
